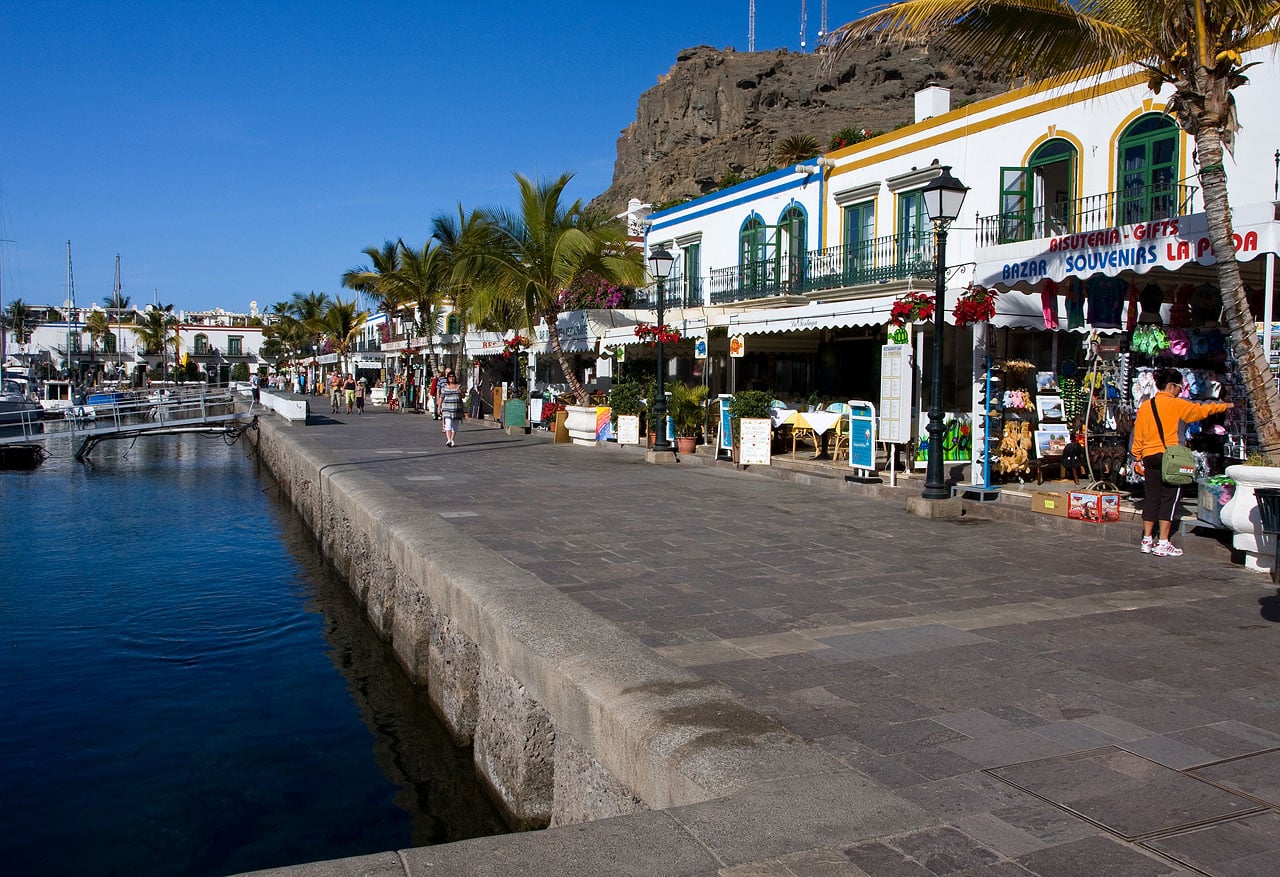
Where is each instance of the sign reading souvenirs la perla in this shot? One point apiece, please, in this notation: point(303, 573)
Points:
point(1167, 243)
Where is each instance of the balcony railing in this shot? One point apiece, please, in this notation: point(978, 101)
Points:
point(1091, 213)
point(881, 260)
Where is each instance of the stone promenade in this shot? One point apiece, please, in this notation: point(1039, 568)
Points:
point(998, 698)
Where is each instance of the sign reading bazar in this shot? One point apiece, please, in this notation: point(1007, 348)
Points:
point(1166, 243)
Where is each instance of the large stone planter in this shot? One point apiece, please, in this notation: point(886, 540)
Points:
point(1241, 515)
point(581, 423)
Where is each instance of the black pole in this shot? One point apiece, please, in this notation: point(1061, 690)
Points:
point(660, 442)
point(935, 486)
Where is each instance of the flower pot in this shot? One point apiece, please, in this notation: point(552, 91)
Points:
point(1242, 516)
point(581, 423)
point(686, 444)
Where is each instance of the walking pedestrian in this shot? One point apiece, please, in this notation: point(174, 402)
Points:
point(361, 389)
point(449, 404)
point(433, 395)
point(349, 391)
point(335, 392)
point(1155, 428)
point(255, 389)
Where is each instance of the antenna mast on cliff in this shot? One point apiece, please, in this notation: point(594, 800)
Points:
point(751, 25)
point(822, 28)
point(803, 16)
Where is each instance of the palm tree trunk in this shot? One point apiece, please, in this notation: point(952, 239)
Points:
point(553, 333)
point(1251, 358)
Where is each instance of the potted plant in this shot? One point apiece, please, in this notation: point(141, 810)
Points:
point(687, 414)
point(1241, 513)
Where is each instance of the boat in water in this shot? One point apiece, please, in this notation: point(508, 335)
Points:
point(16, 404)
point(57, 395)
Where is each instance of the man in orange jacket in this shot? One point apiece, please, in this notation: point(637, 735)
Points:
point(1161, 500)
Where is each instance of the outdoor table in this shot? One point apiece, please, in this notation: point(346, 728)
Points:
point(782, 417)
point(817, 423)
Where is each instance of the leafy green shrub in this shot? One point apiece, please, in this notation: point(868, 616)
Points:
point(748, 403)
point(686, 408)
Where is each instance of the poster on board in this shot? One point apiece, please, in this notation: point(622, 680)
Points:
point(755, 438)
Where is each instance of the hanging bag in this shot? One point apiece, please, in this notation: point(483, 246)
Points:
point(1177, 466)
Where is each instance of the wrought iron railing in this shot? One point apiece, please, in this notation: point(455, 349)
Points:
point(1091, 213)
point(881, 260)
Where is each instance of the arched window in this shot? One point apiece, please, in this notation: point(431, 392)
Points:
point(1036, 201)
point(201, 345)
point(752, 256)
point(1148, 165)
point(452, 325)
point(792, 243)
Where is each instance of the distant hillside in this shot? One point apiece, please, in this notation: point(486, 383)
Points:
point(721, 111)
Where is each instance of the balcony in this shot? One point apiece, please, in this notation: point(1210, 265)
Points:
point(1091, 213)
point(882, 260)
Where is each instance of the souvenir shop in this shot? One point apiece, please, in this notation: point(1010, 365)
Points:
point(1069, 357)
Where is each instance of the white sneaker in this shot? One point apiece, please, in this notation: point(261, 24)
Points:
point(1147, 544)
point(1166, 549)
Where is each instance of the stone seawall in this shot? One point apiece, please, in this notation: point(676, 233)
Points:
point(570, 719)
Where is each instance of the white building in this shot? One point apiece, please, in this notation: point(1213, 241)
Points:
point(1082, 191)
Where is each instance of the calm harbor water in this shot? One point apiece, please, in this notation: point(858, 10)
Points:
point(186, 687)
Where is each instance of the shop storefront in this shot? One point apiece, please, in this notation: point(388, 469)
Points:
point(1083, 320)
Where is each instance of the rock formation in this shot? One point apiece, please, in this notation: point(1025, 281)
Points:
point(720, 111)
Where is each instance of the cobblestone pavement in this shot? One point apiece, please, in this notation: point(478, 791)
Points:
point(1060, 705)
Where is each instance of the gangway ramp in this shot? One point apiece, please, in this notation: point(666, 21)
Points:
point(170, 412)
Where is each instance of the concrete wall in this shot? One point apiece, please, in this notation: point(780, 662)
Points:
point(570, 719)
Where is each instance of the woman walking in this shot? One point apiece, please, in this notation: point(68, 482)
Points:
point(349, 391)
point(449, 404)
point(1154, 430)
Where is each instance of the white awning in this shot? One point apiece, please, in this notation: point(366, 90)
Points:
point(869, 311)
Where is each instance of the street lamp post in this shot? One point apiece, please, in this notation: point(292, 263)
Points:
point(942, 199)
point(660, 261)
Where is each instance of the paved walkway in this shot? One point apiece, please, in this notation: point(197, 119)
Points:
point(1041, 702)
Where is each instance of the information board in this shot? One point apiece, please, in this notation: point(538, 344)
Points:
point(628, 429)
point(862, 435)
point(726, 423)
point(755, 436)
point(895, 394)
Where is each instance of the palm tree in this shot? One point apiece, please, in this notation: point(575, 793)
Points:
point(117, 303)
point(464, 272)
point(797, 148)
point(418, 282)
point(98, 325)
point(1194, 46)
point(20, 319)
point(341, 324)
point(157, 331)
point(377, 283)
point(539, 251)
point(283, 339)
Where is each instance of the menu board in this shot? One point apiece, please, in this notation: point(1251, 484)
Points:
point(755, 436)
point(628, 429)
point(895, 394)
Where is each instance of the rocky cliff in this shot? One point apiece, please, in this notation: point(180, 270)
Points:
point(720, 111)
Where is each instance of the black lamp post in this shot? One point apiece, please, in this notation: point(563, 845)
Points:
point(660, 262)
point(942, 199)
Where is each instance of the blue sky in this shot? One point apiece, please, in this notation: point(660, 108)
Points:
point(234, 151)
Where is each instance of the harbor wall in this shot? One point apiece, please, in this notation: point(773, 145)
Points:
point(570, 719)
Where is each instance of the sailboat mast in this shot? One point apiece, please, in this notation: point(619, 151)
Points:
point(116, 301)
point(71, 309)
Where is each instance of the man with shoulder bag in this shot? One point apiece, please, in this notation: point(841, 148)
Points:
point(1167, 466)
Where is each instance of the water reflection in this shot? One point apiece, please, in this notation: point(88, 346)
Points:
point(437, 781)
point(168, 644)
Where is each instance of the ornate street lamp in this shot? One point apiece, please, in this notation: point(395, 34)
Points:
point(942, 199)
point(660, 262)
